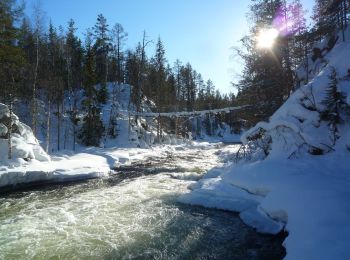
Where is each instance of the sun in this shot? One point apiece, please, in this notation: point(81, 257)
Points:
point(267, 38)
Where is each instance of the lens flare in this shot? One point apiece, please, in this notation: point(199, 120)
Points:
point(267, 38)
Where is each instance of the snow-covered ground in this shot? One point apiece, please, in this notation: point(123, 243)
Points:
point(309, 198)
point(279, 185)
point(88, 163)
point(67, 166)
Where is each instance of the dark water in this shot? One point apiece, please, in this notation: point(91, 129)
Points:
point(133, 214)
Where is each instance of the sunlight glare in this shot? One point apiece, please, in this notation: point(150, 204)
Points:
point(266, 38)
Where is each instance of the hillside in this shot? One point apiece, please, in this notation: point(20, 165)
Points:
point(293, 171)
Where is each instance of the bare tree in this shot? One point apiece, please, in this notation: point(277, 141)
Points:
point(140, 78)
point(120, 37)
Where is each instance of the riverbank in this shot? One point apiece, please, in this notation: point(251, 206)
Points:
point(87, 163)
point(307, 197)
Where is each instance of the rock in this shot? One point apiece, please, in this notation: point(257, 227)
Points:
point(24, 144)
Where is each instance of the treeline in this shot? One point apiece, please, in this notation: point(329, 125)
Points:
point(55, 65)
point(49, 69)
point(270, 75)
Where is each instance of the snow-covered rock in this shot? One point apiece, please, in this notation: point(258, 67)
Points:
point(23, 142)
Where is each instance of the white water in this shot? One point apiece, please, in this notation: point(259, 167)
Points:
point(123, 218)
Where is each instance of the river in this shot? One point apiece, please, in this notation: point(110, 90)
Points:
point(133, 214)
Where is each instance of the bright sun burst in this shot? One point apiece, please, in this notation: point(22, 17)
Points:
point(266, 38)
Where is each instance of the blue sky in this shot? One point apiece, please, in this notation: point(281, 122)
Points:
point(201, 32)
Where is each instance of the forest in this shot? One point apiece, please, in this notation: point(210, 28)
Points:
point(43, 66)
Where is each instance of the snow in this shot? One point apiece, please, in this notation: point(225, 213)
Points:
point(90, 162)
point(296, 127)
point(348, 100)
point(289, 189)
point(67, 166)
point(305, 195)
point(257, 218)
point(80, 166)
point(308, 197)
point(24, 144)
point(30, 163)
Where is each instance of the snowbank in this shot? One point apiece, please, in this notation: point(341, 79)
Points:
point(294, 174)
point(62, 168)
point(88, 163)
point(308, 197)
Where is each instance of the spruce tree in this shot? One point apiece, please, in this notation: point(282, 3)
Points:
point(11, 59)
point(92, 129)
point(102, 48)
point(159, 86)
point(11, 55)
point(336, 109)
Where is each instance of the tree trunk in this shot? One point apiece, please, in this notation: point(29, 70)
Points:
point(158, 128)
point(58, 127)
point(65, 135)
point(34, 105)
point(10, 132)
point(176, 131)
point(106, 67)
point(48, 126)
point(74, 131)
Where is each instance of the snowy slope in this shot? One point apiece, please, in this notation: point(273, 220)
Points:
point(293, 176)
point(118, 106)
point(297, 127)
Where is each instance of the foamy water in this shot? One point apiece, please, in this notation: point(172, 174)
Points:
point(126, 218)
